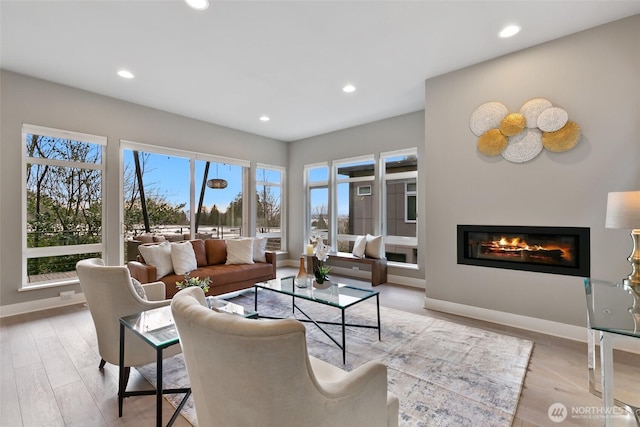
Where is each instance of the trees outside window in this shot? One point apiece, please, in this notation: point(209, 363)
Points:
point(269, 180)
point(318, 213)
point(63, 203)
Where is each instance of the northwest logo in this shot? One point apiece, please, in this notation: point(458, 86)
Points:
point(557, 412)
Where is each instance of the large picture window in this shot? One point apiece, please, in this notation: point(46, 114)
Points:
point(63, 203)
point(367, 199)
point(399, 199)
point(318, 213)
point(355, 207)
point(174, 195)
point(269, 214)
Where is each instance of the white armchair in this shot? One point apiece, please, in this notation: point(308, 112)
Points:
point(258, 372)
point(111, 295)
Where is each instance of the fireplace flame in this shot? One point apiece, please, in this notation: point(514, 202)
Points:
point(516, 244)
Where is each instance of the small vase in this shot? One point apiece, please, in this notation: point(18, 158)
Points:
point(301, 279)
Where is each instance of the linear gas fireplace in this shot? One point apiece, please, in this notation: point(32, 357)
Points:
point(557, 250)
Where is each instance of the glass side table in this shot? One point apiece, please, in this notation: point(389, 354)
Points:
point(156, 328)
point(612, 309)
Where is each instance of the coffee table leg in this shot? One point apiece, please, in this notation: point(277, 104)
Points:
point(344, 341)
point(255, 299)
point(159, 388)
point(378, 309)
point(121, 372)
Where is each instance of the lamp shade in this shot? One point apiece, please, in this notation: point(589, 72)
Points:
point(623, 210)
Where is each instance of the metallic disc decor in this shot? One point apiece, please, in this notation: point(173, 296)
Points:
point(552, 119)
point(563, 139)
point(513, 124)
point(523, 147)
point(492, 142)
point(532, 109)
point(487, 116)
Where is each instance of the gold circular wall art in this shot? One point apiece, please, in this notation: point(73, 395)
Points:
point(492, 142)
point(487, 116)
point(513, 124)
point(563, 139)
point(520, 137)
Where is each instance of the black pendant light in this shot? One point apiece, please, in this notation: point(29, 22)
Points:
point(217, 183)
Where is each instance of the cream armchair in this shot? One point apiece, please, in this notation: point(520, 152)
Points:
point(111, 295)
point(258, 372)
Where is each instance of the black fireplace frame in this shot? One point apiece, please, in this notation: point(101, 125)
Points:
point(583, 255)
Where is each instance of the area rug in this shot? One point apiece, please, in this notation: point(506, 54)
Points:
point(444, 374)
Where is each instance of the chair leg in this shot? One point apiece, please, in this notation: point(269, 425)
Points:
point(127, 371)
point(102, 363)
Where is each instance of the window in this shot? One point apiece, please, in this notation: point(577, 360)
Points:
point(179, 194)
point(63, 203)
point(410, 212)
point(356, 212)
point(318, 214)
point(400, 176)
point(269, 180)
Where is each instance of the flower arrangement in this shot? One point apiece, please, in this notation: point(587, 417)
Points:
point(322, 253)
point(194, 281)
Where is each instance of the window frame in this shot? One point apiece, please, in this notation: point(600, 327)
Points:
point(283, 215)
point(48, 251)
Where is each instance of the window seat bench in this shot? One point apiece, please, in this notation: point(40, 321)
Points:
point(378, 266)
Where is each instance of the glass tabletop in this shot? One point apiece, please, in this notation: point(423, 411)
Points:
point(156, 326)
point(335, 294)
point(613, 307)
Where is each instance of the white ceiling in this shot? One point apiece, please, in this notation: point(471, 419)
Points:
point(238, 60)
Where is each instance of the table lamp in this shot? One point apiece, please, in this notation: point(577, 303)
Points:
point(623, 211)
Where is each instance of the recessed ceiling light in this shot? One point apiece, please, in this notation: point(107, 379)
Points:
point(264, 118)
point(125, 74)
point(349, 88)
point(509, 30)
point(198, 4)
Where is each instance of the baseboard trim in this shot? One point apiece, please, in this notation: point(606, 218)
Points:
point(38, 305)
point(547, 327)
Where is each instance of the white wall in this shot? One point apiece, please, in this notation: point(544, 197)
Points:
point(33, 101)
point(595, 76)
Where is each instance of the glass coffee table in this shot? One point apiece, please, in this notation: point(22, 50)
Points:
point(335, 295)
point(156, 328)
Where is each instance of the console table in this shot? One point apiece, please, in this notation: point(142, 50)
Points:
point(612, 309)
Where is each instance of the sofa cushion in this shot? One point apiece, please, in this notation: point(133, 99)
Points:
point(259, 248)
point(216, 251)
point(144, 238)
point(159, 256)
point(183, 257)
point(239, 251)
point(199, 250)
point(223, 275)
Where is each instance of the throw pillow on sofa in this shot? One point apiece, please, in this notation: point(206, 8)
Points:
point(159, 256)
point(183, 258)
point(259, 249)
point(240, 251)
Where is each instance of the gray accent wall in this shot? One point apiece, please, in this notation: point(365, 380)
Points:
point(38, 102)
point(595, 76)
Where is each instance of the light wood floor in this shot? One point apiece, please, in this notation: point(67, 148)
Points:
point(49, 372)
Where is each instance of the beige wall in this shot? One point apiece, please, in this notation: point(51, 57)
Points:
point(595, 76)
point(33, 101)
